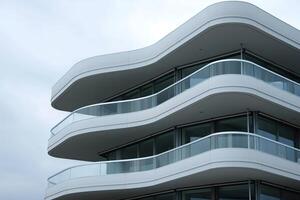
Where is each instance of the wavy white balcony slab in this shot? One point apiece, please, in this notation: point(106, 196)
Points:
point(219, 165)
point(217, 96)
point(218, 29)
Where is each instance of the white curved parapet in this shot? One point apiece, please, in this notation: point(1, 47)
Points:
point(247, 153)
point(243, 83)
point(221, 67)
point(85, 76)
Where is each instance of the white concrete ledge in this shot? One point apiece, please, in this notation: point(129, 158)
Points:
point(220, 165)
point(217, 96)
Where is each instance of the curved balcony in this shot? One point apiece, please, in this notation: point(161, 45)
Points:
point(288, 156)
point(216, 30)
point(221, 67)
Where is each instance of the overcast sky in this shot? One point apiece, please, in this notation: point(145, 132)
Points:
point(41, 39)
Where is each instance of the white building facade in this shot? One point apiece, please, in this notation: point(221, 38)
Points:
point(211, 111)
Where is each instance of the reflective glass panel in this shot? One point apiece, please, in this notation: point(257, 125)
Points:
point(131, 95)
point(269, 193)
point(202, 194)
point(267, 128)
point(287, 195)
point(129, 152)
point(171, 196)
point(147, 90)
point(188, 70)
point(286, 135)
point(165, 142)
point(195, 132)
point(146, 148)
point(163, 82)
point(232, 124)
point(235, 192)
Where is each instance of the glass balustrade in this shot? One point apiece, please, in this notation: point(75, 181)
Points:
point(205, 144)
point(221, 67)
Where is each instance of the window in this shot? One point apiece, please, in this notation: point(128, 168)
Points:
point(147, 90)
point(202, 194)
point(112, 155)
point(146, 148)
point(267, 65)
point(286, 135)
point(171, 196)
point(287, 195)
point(129, 152)
point(267, 128)
point(269, 193)
point(165, 142)
point(189, 70)
point(131, 95)
point(192, 133)
point(232, 124)
point(163, 82)
point(235, 192)
point(276, 130)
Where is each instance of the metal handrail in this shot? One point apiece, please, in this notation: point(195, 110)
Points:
point(181, 147)
point(172, 85)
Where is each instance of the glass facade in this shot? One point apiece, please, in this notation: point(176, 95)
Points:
point(200, 194)
point(265, 126)
point(192, 133)
point(235, 192)
point(164, 142)
point(242, 191)
point(251, 57)
point(276, 130)
point(268, 192)
point(162, 82)
point(232, 124)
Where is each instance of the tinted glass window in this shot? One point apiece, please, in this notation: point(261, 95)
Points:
point(147, 90)
point(163, 82)
point(147, 198)
point(236, 192)
point(112, 155)
point(287, 195)
point(189, 70)
point(269, 193)
point(192, 133)
point(202, 194)
point(267, 128)
point(131, 95)
point(286, 135)
point(232, 124)
point(165, 142)
point(171, 196)
point(146, 148)
point(129, 152)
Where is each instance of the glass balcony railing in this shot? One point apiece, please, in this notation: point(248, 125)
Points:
point(221, 67)
point(210, 142)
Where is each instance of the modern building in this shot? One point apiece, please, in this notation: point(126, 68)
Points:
point(211, 111)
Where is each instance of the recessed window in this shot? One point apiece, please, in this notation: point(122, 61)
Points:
point(193, 133)
point(267, 128)
point(146, 148)
point(269, 193)
point(235, 192)
point(202, 194)
point(165, 142)
point(129, 152)
point(232, 124)
point(171, 196)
